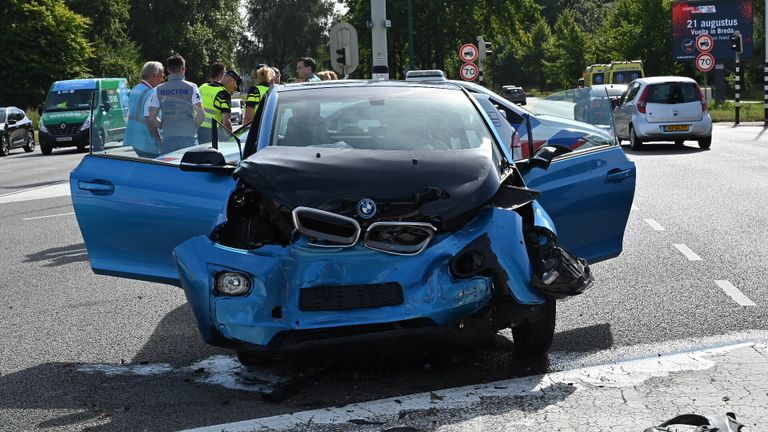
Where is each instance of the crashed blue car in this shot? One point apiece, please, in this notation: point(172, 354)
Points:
point(359, 212)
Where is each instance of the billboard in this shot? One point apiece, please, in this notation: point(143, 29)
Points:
point(718, 18)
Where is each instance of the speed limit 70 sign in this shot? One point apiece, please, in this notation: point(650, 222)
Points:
point(705, 62)
point(469, 71)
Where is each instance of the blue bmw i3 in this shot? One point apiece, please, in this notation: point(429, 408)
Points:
point(360, 212)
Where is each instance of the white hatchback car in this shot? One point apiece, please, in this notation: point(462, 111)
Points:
point(667, 108)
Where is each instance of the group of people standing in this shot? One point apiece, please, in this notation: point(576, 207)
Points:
point(175, 114)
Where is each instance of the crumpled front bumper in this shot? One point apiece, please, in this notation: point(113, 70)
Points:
point(270, 317)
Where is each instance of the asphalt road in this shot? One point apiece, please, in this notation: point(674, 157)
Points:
point(81, 351)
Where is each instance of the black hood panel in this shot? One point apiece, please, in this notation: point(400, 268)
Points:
point(407, 185)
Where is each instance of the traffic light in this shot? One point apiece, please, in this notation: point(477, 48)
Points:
point(736, 43)
point(343, 55)
point(488, 50)
point(484, 48)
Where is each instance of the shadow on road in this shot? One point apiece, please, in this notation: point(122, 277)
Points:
point(59, 256)
point(117, 397)
point(663, 149)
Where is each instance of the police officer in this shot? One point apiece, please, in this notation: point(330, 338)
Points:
point(136, 133)
point(178, 101)
point(216, 97)
point(264, 76)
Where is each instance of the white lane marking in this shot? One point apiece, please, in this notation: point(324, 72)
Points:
point(685, 250)
point(57, 190)
point(617, 375)
point(734, 293)
point(48, 216)
point(655, 225)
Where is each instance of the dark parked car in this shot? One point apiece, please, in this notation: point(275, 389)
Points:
point(15, 131)
point(513, 94)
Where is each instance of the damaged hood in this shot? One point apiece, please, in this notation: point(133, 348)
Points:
point(403, 184)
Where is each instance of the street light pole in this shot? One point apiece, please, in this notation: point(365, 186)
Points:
point(411, 64)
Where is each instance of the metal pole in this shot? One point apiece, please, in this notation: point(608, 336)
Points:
point(480, 58)
point(765, 66)
point(738, 87)
point(379, 39)
point(411, 63)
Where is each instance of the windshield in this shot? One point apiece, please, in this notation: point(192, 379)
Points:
point(386, 118)
point(66, 100)
point(235, 103)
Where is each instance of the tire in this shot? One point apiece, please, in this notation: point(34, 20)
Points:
point(5, 146)
point(81, 147)
point(704, 143)
point(45, 149)
point(679, 142)
point(534, 337)
point(29, 147)
point(634, 142)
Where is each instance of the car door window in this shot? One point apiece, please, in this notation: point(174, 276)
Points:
point(174, 132)
point(632, 92)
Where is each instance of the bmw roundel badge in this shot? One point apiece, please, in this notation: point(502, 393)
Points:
point(366, 208)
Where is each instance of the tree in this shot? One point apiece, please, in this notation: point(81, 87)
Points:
point(281, 31)
point(565, 53)
point(202, 31)
point(639, 29)
point(534, 58)
point(117, 53)
point(61, 49)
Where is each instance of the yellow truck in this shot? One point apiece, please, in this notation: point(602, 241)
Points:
point(618, 72)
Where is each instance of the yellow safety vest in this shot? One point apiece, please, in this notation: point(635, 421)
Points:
point(208, 94)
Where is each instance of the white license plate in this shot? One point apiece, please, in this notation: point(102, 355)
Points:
point(64, 139)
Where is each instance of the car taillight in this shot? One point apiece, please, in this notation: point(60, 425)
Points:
point(643, 98)
point(702, 98)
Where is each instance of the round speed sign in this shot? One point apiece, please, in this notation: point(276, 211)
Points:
point(705, 62)
point(469, 72)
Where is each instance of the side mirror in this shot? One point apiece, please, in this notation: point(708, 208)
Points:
point(543, 157)
point(106, 106)
point(205, 160)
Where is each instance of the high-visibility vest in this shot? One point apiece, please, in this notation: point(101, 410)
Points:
point(208, 94)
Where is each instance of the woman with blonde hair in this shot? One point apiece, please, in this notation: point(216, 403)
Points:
point(327, 75)
point(263, 76)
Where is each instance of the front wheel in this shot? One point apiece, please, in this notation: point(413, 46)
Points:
point(704, 143)
point(679, 142)
point(45, 149)
point(634, 142)
point(534, 337)
point(29, 146)
point(5, 146)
